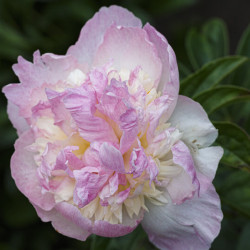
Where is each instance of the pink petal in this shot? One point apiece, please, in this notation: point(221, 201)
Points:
point(129, 48)
point(158, 112)
point(169, 83)
point(115, 100)
point(129, 126)
point(99, 81)
point(92, 33)
point(192, 225)
point(63, 224)
point(19, 123)
point(48, 68)
point(83, 225)
point(138, 162)
point(20, 96)
point(24, 172)
point(62, 117)
point(191, 119)
point(68, 161)
point(81, 104)
point(111, 158)
point(183, 158)
point(88, 185)
point(122, 196)
point(103, 228)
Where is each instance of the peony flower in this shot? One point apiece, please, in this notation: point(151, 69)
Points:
point(105, 141)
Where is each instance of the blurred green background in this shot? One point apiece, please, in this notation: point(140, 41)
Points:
point(203, 35)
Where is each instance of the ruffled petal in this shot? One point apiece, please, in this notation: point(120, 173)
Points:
point(191, 119)
point(89, 182)
point(128, 48)
point(192, 225)
point(81, 104)
point(24, 172)
point(92, 33)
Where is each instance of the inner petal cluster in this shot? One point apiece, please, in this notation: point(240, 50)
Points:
point(104, 145)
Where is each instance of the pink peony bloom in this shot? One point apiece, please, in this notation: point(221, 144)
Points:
point(106, 143)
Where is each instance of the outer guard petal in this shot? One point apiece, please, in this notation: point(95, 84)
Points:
point(128, 48)
point(18, 122)
point(191, 119)
point(92, 33)
point(192, 225)
point(63, 224)
point(24, 172)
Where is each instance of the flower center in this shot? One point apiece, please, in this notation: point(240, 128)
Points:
point(102, 145)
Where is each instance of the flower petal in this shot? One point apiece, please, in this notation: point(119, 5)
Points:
point(18, 122)
point(24, 172)
point(206, 162)
point(192, 225)
point(81, 104)
point(62, 224)
point(111, 158)
point(129, 48)
point(88, 185)
point(92, 33)
point(191, 119)
point(182, 157)
point(169, 83)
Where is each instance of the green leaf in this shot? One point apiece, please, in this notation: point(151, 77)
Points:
point(235, 191)
point(208, 44)
point(216, 32)
point(244, 43)
point(236, 143)
point(184, 71)
point(210, 75)
point(198, 49)
point(244, 242)
point(220, 96)
point(242, 75)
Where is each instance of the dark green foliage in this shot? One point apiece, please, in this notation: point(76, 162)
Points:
point(219, 81)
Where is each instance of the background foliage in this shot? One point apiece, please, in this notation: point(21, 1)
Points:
point(214, 70)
